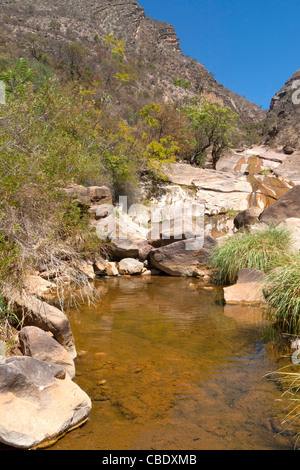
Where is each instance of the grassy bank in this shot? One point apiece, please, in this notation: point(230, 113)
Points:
point(269, 251)
point(263, 250)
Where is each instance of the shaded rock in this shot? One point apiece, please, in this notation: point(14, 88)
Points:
point(99, 266)
point(144, 252)
point(37, 403)
point(248, 217)
point(92, 196)
point(131, 267)
point(162, 234)
point(248, 290)
point(288, 206)
point(34, 312)
point(180, 259)
point(36, 343)
point(121, 249)
point(250, 275)
point(111, 269)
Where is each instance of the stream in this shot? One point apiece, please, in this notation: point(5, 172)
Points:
point(169, 367)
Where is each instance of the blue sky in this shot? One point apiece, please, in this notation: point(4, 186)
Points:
point(251, 46)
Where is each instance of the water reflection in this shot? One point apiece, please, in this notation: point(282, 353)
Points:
point(168, 367)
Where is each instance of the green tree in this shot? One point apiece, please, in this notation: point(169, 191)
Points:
point(213, 126)
point(74, 54)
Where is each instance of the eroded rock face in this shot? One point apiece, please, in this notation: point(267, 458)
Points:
point(219, 191)
point(38, 403)
point(36, 343)
point(179, 259)
point(283, 118)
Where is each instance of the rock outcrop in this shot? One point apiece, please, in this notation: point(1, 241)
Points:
point(283, 120)
point(219, 191)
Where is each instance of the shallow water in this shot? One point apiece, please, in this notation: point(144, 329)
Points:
point(168, 367)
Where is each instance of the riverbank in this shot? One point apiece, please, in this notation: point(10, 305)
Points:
point(45, 334)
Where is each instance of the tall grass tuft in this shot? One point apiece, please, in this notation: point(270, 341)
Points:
point(289, 380)
point(263, 250)
point(283, 296)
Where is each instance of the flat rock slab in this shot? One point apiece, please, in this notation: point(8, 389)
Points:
point(248, 290)
point(216, 181)
point(38, 405)
point(248, 293)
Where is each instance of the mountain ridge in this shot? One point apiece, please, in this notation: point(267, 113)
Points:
point(155, 41)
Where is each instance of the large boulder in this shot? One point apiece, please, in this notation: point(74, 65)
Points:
point(288, 206)
point(35, 312)
point(184, 257)
point(36, 343)
point(248, 289)
point(131, 267)
point(38, 403)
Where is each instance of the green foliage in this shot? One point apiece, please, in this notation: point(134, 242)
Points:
point(116, 47)
point(263, 250)
point(212, 125)
point(159, 154)
point(254, 131)
point(148, 113)
point(178, 82)
point(16, 77)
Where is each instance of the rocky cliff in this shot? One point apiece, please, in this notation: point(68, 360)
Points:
point(283, 120)
point(87, 21)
